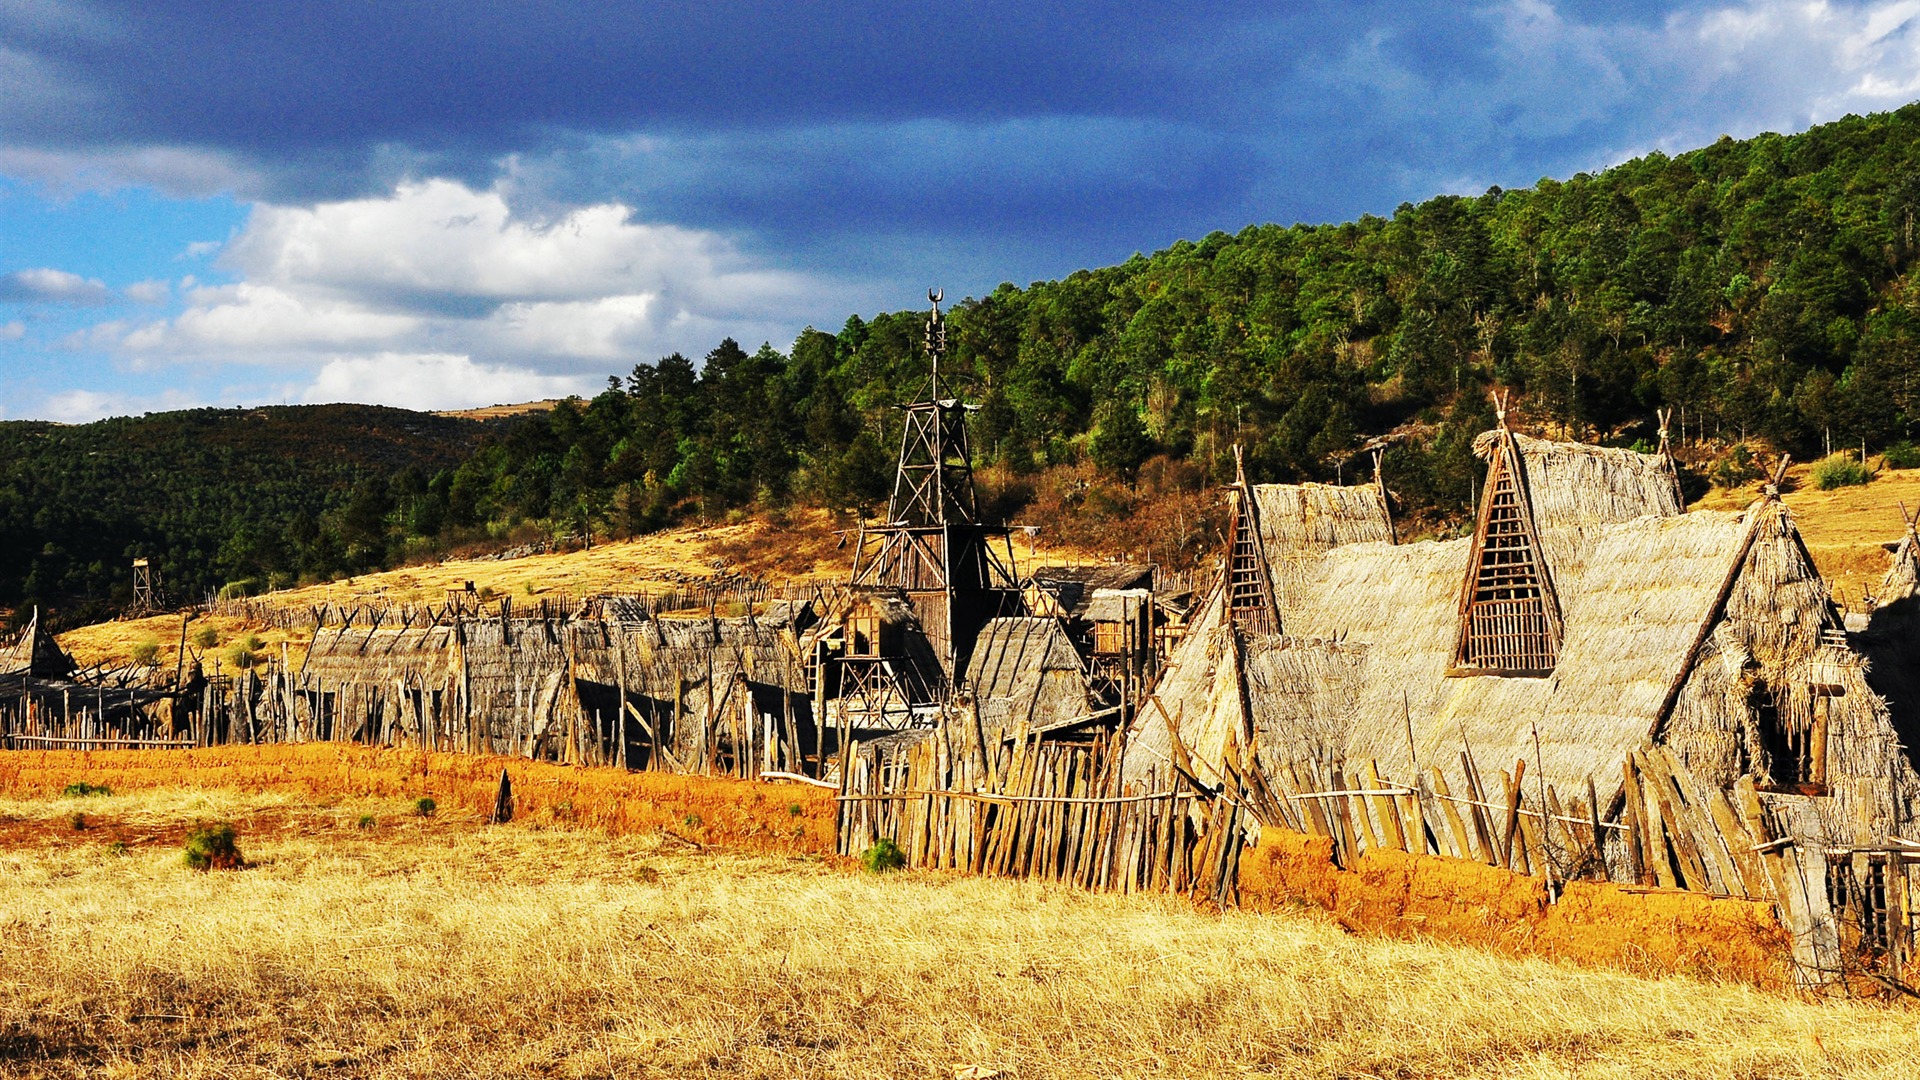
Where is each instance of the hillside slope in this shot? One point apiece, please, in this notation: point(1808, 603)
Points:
point(192, 490)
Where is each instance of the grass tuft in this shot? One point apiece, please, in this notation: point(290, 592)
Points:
point(1838, 471)
point(425, 807)
point(80, 789)
point(213, 847)
point(883, 856)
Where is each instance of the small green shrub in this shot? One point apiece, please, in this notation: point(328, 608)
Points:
point(883, 856)
point(794, 810)
point(1902, 455)
point(80, 789)
point(118, 847)
point(235, 590)
point(146, 652)
point(212, 847)
point(425, 807)
point(691, 821)
point(368, 821)
point(1838, 471)
point(206, 637)
point(79, 822)
point(1737, 468)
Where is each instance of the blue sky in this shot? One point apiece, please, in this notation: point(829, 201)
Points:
point(447, 204)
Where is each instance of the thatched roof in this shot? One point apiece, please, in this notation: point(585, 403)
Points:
point(1571, 485)
point(1307, 519)
point(1371, 631)
point(1026, 671)
point(36, 654)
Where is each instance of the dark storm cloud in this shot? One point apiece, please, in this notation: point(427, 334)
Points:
point(1040, 137)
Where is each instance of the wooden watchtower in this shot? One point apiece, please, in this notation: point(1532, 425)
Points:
point(954, 570)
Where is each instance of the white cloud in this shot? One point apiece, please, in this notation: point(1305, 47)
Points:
point(175, 170)
point(200, 249)
point(397, 289)
point(1555, 93)
point(48, 285)
point(85, 406)
point(440, 239)
point(152, 291)
point(52, 285)
point(13, 331)
point(249, 316)
point(431, 381)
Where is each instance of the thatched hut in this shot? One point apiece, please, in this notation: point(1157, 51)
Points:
point(1026, 672)
point(1587, 617)
point(36, 654)
point(1890, 638)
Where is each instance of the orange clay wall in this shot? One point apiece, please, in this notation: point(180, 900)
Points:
point(789, 818)
point(1644, 931)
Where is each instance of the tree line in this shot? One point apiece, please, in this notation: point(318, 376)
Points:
point(1763, 289)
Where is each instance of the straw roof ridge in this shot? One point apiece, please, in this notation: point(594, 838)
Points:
point(1577, 484)
point(1310, 518)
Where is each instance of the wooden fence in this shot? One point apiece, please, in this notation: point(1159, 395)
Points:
point(723, 596)
point(1850, 912)
point(1029, 808)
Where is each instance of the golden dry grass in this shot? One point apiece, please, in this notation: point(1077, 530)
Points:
point(439, 947)
point(115, 642)
point(496, 412)
point(801, 547)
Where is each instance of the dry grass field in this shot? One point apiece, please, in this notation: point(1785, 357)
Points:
point(802, 546)
point(427, 947)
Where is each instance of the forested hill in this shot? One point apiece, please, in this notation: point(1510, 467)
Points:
point(203, 493)
point(1763, 288)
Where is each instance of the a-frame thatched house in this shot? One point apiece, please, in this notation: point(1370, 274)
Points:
point(35, 654)
point(1587, 617)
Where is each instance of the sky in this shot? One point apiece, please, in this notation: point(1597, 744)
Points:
point(445, 205)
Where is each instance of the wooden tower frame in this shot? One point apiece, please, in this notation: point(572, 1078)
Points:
point(956, 571)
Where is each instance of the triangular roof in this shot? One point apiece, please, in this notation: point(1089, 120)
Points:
point(1509, 619)
point(36, 654)
point(1025, 670)
point(1638, 600)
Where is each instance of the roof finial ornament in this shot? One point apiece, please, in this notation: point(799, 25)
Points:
point(1500, 407)
point(936, 336)
point(1665, 416)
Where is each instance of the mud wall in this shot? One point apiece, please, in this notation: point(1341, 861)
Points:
point(1648, 932)
point(737, 814)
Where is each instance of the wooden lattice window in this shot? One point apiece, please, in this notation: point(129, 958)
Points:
point(1509, 616)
